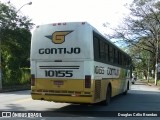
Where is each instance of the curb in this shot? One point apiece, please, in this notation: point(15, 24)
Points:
point(12, 90)
point(15, 88)
point(152, 85)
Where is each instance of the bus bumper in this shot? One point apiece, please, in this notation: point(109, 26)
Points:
point(63, 98)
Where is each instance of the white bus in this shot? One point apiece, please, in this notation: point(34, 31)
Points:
point(72, 62)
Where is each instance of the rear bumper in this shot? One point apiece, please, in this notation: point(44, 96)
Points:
point(71, 91)
point(63, 98)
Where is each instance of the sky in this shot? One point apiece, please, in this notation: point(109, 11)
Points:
point(96, 12)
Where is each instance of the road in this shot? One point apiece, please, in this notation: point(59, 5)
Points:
point(141, 97)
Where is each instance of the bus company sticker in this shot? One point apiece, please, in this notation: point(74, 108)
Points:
point(58, 37)
point(98, 70)
point(112, 71)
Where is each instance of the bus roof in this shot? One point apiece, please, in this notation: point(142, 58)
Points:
point(63, 24)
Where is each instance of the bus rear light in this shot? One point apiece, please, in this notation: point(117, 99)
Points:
point(87, 81)
point(32, 80)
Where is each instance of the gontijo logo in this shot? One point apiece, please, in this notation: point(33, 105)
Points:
point(58, 37)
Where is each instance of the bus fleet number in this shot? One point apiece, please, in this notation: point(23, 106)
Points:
point(58, 73)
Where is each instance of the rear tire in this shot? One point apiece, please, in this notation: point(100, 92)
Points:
point(108, 97)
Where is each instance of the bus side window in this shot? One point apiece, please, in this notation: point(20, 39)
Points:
point(111, 55)
point(102, 50)
point(96, 48)
point(115, 56)
point(107, 52)
point(123, 62)
point(119, 58)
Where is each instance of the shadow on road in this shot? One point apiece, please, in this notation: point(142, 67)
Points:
point(136, 100)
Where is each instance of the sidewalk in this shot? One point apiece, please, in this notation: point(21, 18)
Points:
point(150, 85)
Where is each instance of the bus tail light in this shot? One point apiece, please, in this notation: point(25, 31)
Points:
point(87, 81)
point(32, 80)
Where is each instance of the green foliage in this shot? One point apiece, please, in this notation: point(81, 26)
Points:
point(141, 32)
point(141, 61)
point(15, 39)
point(25, 78)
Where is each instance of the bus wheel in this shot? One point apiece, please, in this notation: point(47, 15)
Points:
point(108, 96)
point(126, 91)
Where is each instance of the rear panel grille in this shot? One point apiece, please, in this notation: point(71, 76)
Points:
point(97, 89)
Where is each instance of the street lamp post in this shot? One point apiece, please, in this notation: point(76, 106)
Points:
point(30, 3)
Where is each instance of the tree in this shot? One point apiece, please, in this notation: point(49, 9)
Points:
point(142, 61)
point(15, 43)
point(141, 30)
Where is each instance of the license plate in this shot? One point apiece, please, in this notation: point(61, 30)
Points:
point(58, 82)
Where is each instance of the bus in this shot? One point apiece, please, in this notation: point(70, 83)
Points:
point(73, 62)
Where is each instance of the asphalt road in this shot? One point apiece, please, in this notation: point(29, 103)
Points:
point(140, 99)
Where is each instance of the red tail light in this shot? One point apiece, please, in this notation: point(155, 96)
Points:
point(32, 80)
point(87, 81)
